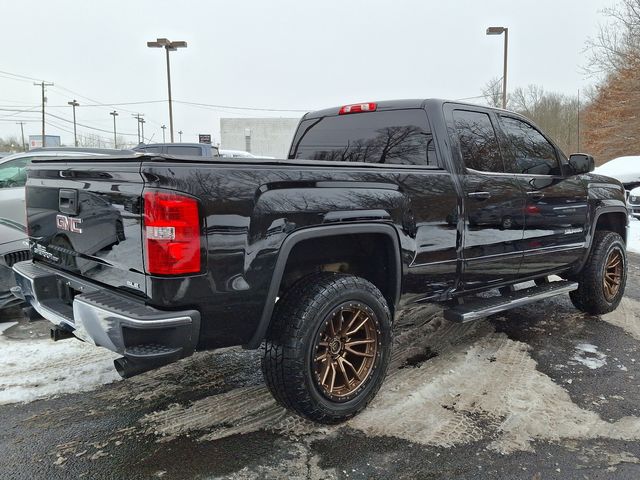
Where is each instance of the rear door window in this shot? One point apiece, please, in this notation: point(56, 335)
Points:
point(478, 141)
point(397, 137)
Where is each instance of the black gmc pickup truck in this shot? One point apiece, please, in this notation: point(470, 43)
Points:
point(378, 208)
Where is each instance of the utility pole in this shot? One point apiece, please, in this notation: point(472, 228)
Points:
point(142, 122)
point(138, 116)
point(179, 133)
point(169, 46)
point(74, 104)
point(24, 147)
point(42, 85)
point(578, 120)
point(115, 142)
point(163, 127)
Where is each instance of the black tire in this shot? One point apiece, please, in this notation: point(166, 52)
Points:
point(507, 222)
point(299, 318)
point(590, 297)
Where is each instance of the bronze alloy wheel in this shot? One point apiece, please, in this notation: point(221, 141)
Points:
point(612, 274)
point(346, 351)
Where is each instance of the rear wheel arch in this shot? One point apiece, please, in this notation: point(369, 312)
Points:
point(307, 236)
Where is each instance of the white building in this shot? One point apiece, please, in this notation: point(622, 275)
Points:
point(260, 136)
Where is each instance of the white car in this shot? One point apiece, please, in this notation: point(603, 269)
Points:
point(13, 176)
point(624, 169)
point(634, 202)
point(240, 154)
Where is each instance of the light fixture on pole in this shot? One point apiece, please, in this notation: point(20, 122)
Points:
point(169, 46)
point(500, 31)
point(74, 104)
point(163, 127)
point(180, 133)
point(115, 142)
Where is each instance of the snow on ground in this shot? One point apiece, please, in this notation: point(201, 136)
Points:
point(482, 385)
point(589, 356)
point(633, 236)
point(32, 369)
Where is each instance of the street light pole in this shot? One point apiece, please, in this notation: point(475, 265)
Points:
point(115, 142)
point(500, 31)
point(180, 133)
point(163, 127)
point(74, 104)
point(169, 46)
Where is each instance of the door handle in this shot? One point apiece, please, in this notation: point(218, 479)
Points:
point(535, 194)
point(479, 195)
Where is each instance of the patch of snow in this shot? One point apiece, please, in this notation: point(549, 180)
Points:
point(625, 317)
point(589, 356)
point(5, 326)
point(633, 236)
point(35, 369)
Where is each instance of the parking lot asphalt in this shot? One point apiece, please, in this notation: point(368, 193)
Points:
point(539, 392)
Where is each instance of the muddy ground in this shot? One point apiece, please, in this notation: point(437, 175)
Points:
point(539, 392)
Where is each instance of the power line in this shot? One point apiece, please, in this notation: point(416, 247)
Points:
point(88, 126)
point(231, 107)
point(21, 76)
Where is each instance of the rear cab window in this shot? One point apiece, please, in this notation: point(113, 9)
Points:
point(478, 141)
point(392, 137)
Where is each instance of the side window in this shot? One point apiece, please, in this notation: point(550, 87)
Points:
point(184, 150)
point(478, 141)
point(531, 151)
point(155, 149)
point(398, 137)
point(13, 173)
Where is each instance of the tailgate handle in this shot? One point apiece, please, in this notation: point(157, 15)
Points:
point(68, 201)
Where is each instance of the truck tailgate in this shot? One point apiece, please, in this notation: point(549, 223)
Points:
point(85, 217)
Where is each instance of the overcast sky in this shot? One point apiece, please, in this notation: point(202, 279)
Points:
point(279, 54)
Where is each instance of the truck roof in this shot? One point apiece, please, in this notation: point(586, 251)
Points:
point(395, 105)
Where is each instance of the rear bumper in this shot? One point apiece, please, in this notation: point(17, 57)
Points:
point(105, 318)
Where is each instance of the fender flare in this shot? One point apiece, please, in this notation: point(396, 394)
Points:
point(603, 211)
point(317, 232)
point(592, 231)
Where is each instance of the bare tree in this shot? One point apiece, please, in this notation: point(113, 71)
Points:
point(492, 92)
point(617, 43)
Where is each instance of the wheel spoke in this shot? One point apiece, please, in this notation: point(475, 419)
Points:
point(333, 377)
point(360, 342)
point(347, 381)
point(321, 358)
point(359, 354)
point(353, 319)
point(325, 373)
point(360, 325)
point(355, 372)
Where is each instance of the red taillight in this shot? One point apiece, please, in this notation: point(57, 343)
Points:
point(532, 210)
point(171, 233)
point(357, 108)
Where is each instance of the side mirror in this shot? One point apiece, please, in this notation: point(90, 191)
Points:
point(580, 163)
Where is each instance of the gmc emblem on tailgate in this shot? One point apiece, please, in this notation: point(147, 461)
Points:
point(68, 223)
